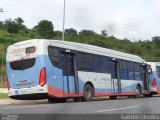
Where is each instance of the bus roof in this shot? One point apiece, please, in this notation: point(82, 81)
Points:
point(85, 48)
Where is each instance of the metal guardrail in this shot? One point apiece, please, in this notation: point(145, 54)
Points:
point(3, 90)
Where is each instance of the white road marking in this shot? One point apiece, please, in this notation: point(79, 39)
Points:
point(118, 109)
point(25, 107)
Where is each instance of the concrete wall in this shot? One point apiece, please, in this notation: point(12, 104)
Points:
point(3, 90)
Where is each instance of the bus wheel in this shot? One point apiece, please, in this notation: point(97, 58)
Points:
point(138, 91)
point(112, 97)
point(88, 92)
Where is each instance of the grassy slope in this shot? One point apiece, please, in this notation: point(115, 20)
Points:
point(3, 96)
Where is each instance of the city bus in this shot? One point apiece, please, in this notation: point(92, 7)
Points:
point(58, 70)
point(154, 78)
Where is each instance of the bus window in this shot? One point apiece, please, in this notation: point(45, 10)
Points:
point(158, 70)
point(54, 55)
point(97, 61)
point(123, 70)
point(137, 71)
point(30, 50)
point(131, 74)
point(81, 59)
point(22, 64)
point(104, 64)
point(89, 59)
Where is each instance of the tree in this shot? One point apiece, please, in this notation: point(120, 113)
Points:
point(14, 26)
point(45, 29)
point(22, 28)
point(57, 34)
point(104, 33)
point(19, 21)
point(156, 39)
point(1, 25)
point(87, 33)
point(71, 31)
point(11, 26)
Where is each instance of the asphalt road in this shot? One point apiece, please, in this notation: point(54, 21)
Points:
point(105, 106)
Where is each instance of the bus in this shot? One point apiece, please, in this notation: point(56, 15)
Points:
point(58, 70)
point(154, 78)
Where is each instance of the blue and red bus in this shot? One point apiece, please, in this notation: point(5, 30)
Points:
point(57, 70)
point(154, 78)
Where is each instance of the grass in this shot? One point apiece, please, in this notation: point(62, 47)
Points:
point(3, 86)
point(3, 96)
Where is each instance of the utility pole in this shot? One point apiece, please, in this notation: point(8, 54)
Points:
point(64, 12)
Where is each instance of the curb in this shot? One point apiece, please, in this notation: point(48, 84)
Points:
point(21, 102)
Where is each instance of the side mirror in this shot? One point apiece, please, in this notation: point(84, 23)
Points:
point(149, 70)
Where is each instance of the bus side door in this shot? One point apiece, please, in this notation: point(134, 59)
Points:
point(144, 78)
point(70, 80)
point(116, 82)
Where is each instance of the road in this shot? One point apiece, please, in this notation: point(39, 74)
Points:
point(105, 106)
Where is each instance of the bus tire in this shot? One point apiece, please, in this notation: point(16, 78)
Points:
point(112, 97)
point(138, 91)
point(88, 92)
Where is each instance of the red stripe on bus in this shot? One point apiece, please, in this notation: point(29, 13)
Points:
point(60, 93)
point(115, 94)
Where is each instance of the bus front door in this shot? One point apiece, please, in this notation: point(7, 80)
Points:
point(144, 78)
point(70, 79)
point(116, 82)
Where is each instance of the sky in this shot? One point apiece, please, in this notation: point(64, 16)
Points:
point(132, 19)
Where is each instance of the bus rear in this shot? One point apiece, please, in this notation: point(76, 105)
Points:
point(26, 76)
point(154, 77)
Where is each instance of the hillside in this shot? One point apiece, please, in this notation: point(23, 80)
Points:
point(12, 31)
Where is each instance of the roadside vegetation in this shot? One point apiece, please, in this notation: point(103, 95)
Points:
point(3, 96)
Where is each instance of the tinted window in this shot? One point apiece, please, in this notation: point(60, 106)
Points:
point(124, 74)
point(137, 67)
point(130, 66)
point(123, 70)
point(30, 50)
point(22, 64)
point(89, 59)
point(131, 75)
point(158, 71)
point(137, 71)
point(82, 59)
point(105, 61)
point(97, 61)
point(137, 75)
point(54, 55)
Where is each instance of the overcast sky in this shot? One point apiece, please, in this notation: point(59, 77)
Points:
point(133, 19)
